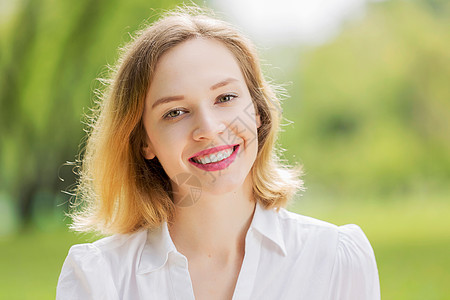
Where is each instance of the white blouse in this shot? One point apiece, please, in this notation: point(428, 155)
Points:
point(287, 256)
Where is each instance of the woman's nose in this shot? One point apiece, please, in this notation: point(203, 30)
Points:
point(207, 125)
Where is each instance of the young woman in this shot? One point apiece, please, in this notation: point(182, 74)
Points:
point(180, 169)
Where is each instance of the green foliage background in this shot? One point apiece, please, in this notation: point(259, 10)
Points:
point(371, 126)
point(371, 109)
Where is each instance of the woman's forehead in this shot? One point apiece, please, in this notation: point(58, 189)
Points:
point(199, 61)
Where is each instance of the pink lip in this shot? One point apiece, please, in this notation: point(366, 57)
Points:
point(217, 165)
point(212, 150)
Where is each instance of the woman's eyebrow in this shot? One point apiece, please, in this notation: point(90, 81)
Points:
point(222, 83)
point(166, 100)
point(177, 98)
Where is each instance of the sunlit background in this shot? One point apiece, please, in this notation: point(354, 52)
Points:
point(368, 117)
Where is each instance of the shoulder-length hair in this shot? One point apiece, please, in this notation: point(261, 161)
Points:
point(118, 190)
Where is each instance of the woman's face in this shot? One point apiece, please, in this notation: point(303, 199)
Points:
point(199, 116)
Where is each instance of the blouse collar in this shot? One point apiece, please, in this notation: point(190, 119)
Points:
point(156, 250)
point(159, 244)
point(267, 223)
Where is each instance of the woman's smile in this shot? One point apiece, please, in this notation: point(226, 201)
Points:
point(218, 160)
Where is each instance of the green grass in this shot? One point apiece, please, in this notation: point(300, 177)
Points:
point(411, 240)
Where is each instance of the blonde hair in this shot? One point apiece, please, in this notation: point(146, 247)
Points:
point(119, 191)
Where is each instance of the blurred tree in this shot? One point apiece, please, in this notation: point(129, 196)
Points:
point(51, 53)
point(372, 108)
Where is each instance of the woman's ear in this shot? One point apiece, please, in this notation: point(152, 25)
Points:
point(149, 153)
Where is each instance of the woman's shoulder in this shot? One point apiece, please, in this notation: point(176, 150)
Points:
point(295, 219)
point(344, 250)
point(111, 245)
point(334, 239)
point(90, 269)
point(307, 228)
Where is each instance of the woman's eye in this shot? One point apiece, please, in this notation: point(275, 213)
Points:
point(173, 114)
point(226, 98)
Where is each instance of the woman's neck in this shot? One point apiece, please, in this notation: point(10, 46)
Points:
point(215, 226)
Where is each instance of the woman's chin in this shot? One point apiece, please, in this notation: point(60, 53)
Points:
point(223, 185)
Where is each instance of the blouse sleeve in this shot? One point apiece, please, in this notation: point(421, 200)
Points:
point(355, 274)
point(84, 275)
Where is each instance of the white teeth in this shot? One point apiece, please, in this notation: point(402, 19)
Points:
point(214, 157)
